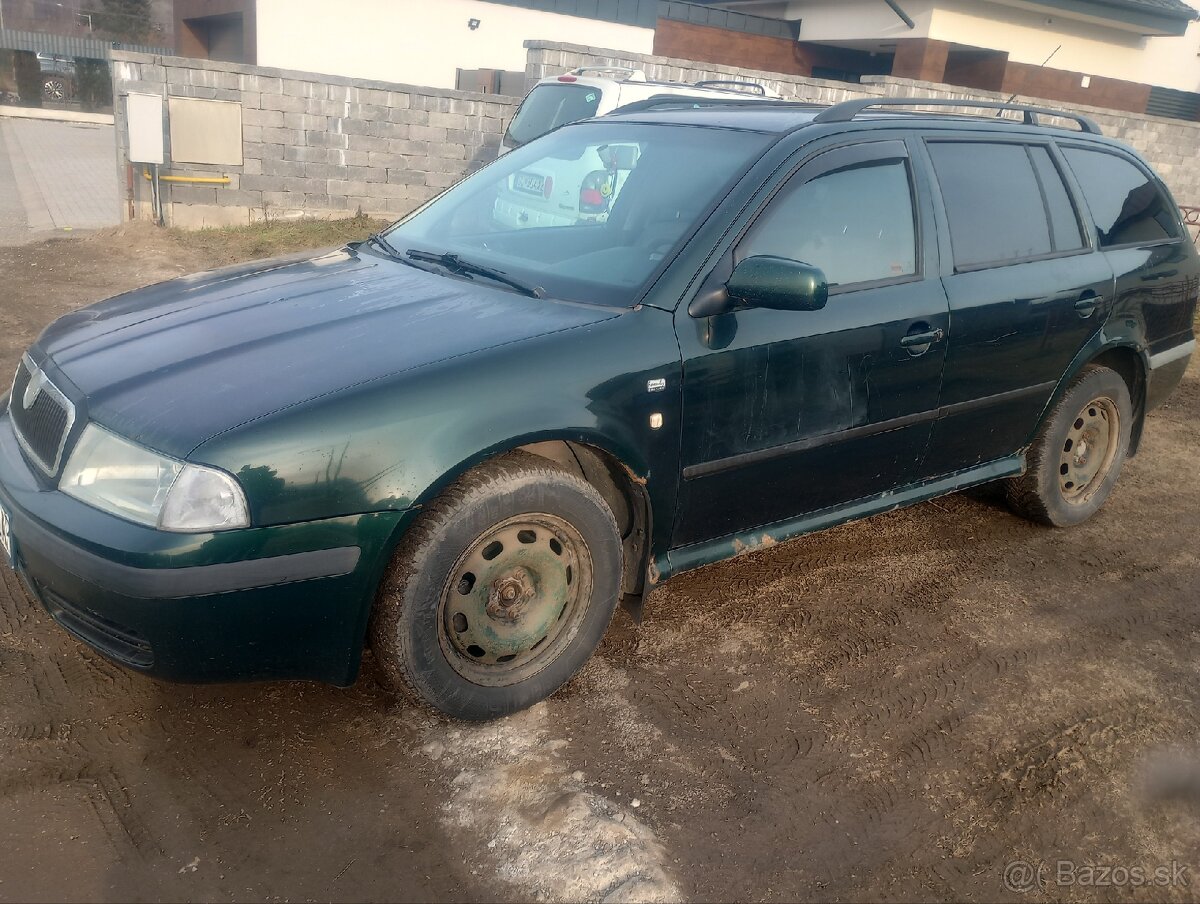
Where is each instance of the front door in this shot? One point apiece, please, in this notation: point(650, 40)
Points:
point(789, 412)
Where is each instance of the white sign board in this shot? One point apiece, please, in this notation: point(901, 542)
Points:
point(205, 131)
point(145, 115)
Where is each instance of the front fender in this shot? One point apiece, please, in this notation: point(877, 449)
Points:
point(395, 444)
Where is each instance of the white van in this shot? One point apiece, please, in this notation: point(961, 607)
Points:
point(585, 189)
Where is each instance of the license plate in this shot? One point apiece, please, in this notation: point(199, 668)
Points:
point(530, 183)
point(6, 544)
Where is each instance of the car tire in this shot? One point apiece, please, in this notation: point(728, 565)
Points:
point(500, 591)
point(1078, 453)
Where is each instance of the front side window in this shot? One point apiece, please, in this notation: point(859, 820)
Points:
point(1127, 205)
point(855, 224)
point(549, 106)
point(588, 213)
point(993, 203)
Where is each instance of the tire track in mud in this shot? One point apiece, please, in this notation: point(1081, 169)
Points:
point(915, 672)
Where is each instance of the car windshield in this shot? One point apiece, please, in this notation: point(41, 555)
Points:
point(588, 213)
point(549, 106)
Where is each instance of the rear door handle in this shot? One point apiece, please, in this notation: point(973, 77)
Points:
point(912, 340)
point(1086, 307)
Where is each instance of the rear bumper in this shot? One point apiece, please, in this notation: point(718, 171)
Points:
point(1167, 368)
point(290, 601)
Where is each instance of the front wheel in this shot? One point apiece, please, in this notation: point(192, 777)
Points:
point(1078, 453)
point(501, 590)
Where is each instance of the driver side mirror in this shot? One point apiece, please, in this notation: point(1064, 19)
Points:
point(765, 281)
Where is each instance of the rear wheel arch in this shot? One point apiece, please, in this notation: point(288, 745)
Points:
point(1129, 364)
point(1124, 359)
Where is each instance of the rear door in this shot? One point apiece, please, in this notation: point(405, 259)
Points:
point(1026, 287)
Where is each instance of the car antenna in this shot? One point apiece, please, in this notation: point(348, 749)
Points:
point(1043, 66)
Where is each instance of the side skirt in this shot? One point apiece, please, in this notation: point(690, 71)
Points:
point(685, 558)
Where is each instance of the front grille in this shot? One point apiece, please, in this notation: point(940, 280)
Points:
point(116, 641)
point(42, 418)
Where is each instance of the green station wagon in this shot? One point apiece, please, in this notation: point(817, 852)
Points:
point(466, 441)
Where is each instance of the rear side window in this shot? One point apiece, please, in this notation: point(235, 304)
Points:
point(855, 224)
point(993, 202)
point(1127, 205)
point(1064, 221)
point(549, 106)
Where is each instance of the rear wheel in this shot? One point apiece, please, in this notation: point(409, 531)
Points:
point(500, 591)
point(1077, 456)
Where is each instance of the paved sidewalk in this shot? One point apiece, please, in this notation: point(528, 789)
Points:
point(63, 176)
point(13, 228)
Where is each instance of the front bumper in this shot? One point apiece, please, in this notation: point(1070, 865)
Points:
point(290, 601)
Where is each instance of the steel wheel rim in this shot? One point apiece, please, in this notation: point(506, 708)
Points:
point(514, 599)
point(1089, 450)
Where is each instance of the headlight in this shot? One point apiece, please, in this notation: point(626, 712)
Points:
point(117, 476)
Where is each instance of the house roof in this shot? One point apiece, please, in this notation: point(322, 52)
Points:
point(1172, 8)
point(1149, 17)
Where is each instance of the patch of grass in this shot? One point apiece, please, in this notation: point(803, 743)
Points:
point(274, 238)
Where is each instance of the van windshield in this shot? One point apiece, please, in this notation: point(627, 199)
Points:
point(590, 213)
point(550, 106)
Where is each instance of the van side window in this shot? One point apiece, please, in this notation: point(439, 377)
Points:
point(856, 224)
point(1127, 205)
point(1064, 221)
point(993, 201)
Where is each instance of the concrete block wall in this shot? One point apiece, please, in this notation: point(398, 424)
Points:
point(1171, 145)
point(313, 145)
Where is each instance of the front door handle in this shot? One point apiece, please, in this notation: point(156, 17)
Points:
point(914, 341)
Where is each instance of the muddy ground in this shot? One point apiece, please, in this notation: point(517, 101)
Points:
point(895, 709)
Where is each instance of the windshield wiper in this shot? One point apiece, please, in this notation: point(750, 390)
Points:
point(377, 239)
point(460, 267)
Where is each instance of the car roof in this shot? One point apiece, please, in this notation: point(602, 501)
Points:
point(758, 116)
point(781, 117)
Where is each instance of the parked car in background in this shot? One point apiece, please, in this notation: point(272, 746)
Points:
point(469, 438)
point(598, 90)
point(562, 191)
point(58, 76)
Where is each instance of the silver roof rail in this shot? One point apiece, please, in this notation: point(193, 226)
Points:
point(732, 83)
point(848, 110)
point(631, 74)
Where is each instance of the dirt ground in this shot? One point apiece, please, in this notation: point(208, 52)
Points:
point(896, 709)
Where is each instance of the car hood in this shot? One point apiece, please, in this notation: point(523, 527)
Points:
point(175, 364)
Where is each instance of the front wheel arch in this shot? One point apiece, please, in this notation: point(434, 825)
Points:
point(617, 477)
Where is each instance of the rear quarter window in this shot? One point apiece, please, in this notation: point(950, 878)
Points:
point(1127, 205)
